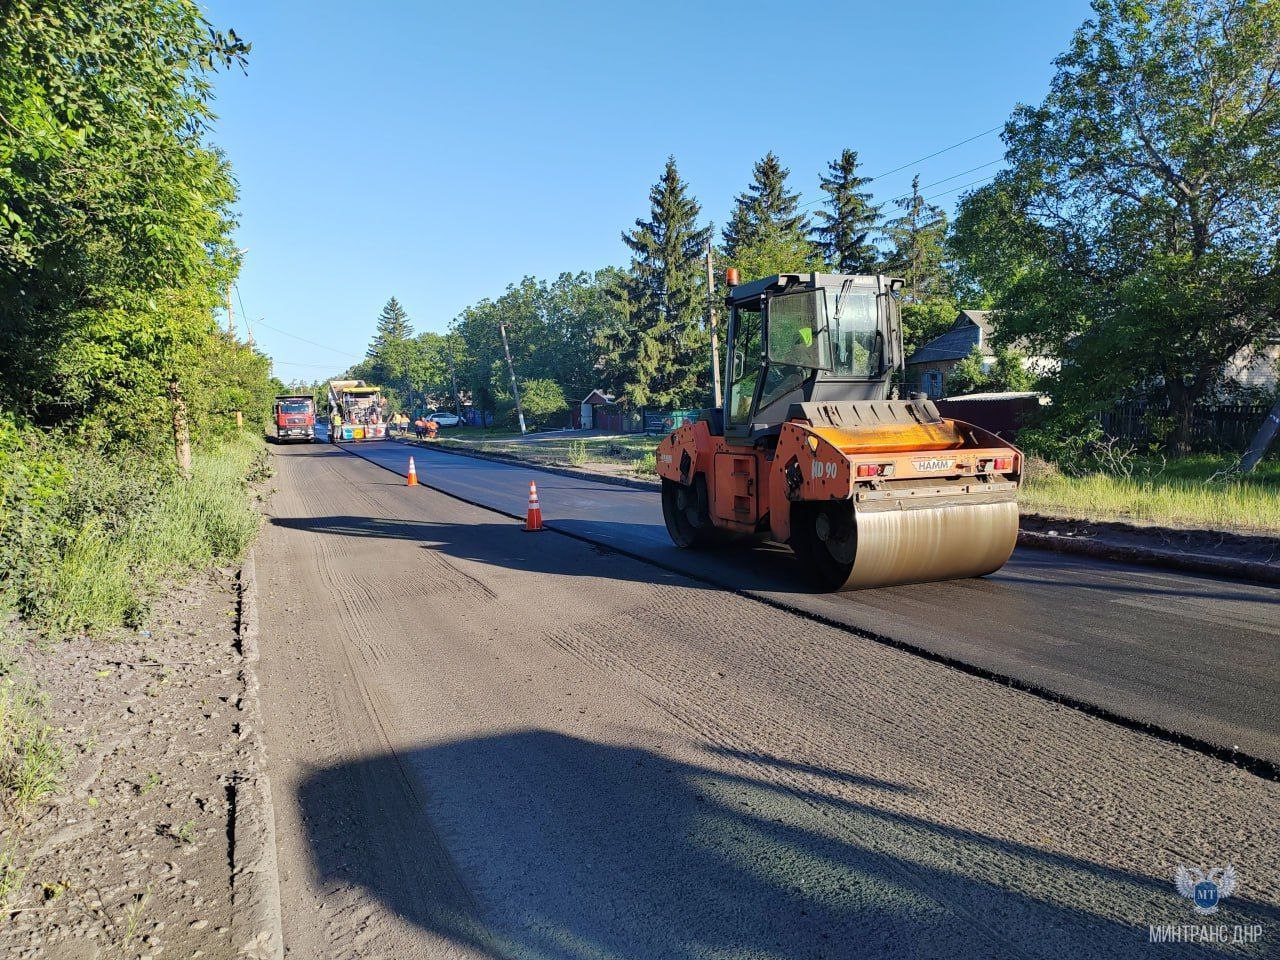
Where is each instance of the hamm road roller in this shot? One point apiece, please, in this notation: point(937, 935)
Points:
point(811, 449)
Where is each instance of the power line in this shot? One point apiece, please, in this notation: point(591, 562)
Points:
point(963, 186)
point(936, 153)
point(322, 346)
point(244, 313)
point(954, 176)
point(295, 363)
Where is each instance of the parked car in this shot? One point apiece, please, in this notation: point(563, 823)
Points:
point(445, 419)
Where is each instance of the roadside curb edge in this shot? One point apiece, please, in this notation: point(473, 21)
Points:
point(256, 931)
point(1254, 570)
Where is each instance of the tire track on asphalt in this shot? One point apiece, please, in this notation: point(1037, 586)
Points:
point(343, 655)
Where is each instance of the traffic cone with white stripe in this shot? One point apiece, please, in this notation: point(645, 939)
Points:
point(412, 479)
point(533, 521)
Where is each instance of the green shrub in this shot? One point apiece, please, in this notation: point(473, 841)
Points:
point(87, 539)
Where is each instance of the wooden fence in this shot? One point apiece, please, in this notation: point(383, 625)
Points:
point(1221, 428)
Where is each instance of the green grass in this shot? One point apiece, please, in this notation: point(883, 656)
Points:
point(111, 566)
point(1184, 493)
point(31, 761)
point(629, 453)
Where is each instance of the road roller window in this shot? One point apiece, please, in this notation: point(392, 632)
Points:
point(798, 330)
point(744, 370)
point(854, 345)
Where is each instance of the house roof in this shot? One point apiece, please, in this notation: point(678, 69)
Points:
point(979, 318)
point(955, 344)
point(971, 328)
point(597, 397)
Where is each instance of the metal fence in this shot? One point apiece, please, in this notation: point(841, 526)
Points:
point(1223, 428)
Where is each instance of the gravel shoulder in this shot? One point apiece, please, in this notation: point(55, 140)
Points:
point(488, 743)
point(133, 857)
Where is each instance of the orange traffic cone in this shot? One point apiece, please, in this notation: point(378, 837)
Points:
point(533, 522)
point(412, 480)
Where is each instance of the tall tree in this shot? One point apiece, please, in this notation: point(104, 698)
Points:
point(844, 232)
point(918, 236)
point(1142, 204)
point(393, 328)
point(658, 350)
point(115, 215)
point(766, 209)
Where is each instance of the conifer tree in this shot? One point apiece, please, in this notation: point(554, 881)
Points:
point(918, 236)
point(658, 353)
point(844, 232)
point(393, 327)
point(765, 210)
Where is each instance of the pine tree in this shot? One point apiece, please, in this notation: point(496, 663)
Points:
point(918, 237)
point(393, 327)
point(659, 352)
point(765, 210)
point(843, 233)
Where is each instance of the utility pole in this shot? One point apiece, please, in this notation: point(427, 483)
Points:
point(711, 325)
point(231, 317)
point(453, 375)
point(1262, 440)
point(515, 390)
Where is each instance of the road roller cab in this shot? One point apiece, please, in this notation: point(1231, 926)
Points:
point(810, 450)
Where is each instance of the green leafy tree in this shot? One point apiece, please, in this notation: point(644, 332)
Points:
point(115, 216)
point(922, 320)
point(1142, 204)
point(1006, 371)
point(555, 333)
point(844, 233)
point(657, 351)
point(542, 400)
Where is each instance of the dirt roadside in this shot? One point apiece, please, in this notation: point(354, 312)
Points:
point(153, 846)
point(1234, 555)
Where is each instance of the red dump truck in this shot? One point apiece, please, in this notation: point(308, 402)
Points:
point(294, 417)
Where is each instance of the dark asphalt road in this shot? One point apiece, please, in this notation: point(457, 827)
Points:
point(1190, 654)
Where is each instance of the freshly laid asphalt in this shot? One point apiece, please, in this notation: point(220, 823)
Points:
point(1190, 655)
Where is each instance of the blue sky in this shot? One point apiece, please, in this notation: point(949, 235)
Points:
point(438, 152)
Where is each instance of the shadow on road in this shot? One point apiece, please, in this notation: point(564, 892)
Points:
point(503, 544)
point(545, 845)
point(759, 566)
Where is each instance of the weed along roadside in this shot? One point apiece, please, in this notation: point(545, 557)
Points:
point(130, 766)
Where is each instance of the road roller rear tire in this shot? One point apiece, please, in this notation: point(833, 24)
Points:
point(685, 511)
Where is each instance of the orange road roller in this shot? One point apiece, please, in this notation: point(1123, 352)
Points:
point(812, 449)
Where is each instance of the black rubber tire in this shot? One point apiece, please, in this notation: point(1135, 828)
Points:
point(689, 528)
point(826, 572)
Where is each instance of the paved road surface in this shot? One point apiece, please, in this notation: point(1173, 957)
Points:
point(487, 743)
point(1191, 654)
